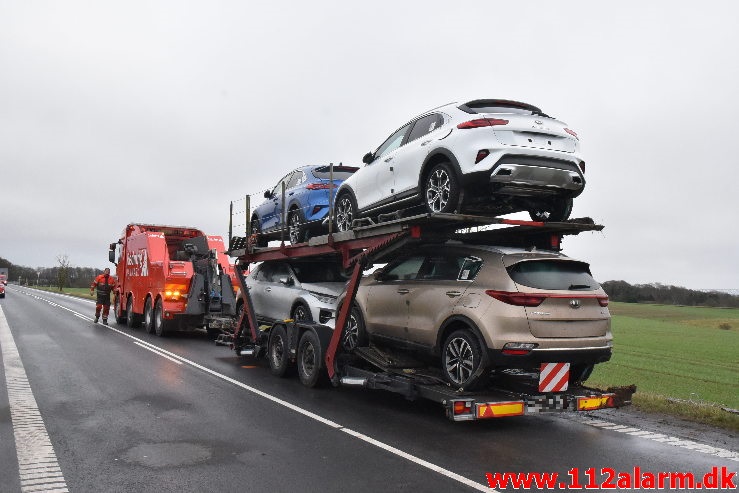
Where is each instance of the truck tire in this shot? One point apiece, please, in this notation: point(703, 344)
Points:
point(161, 326)
point(148, 316)
point(118, 314)
point(278, 351)
point(310, 359)
point(132, 320)
point(463, 362)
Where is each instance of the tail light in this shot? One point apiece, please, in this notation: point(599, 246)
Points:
point(572, 132)
point(603, 300)
point(320, 186)
point(483, 122)
point(516, 298)
point(175, 291)
point(582, 166)
point(519, 348)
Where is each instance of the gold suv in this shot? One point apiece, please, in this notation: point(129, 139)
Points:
point(476, 310)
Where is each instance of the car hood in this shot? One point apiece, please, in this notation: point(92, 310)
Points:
point(329, 288)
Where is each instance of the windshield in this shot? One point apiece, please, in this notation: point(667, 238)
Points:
point(318, 272)
point(553, 274)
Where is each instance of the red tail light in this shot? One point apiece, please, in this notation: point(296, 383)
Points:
point(603, 300)
point(515, 298)
point(582, 166)
point(572, 132)
point(483, 122)
point(319, 186)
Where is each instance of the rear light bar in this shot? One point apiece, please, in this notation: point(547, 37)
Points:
point(572, 132)
point(320, 186)
point(519, 348)
point(482, 122)
point(536, 299)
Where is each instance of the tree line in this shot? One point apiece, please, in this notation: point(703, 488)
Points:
point(61, 276)
point(667, 295)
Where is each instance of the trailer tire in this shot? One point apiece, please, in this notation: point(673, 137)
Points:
point(301, 313)
point(278, 351)
point(120, 318)
point(355, 333)
point(310, 359)
point(132, 320)
point(161, 326)
point(463, 362)
point(148, 316)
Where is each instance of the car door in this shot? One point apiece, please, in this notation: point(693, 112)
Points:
point(375, 183)
point(271, 219)
point(279, 291)
point(406, 161)
point(387, 307)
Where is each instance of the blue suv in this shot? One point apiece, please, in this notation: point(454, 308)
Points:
point(307, 201)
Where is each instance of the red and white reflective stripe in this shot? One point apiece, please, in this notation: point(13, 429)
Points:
point(554, 377)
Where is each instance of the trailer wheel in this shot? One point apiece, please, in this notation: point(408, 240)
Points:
point(346, 211)
point(132, 320)
point(355, 334)
point(120, 317)
point(557, 210)
point(461, 360)
point(310, 359)
point(441, 190)
point(160, 325)
point(148, 316)
point(278, 350)
point(301, 313)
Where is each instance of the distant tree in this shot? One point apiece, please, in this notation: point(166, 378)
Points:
point(62, 275)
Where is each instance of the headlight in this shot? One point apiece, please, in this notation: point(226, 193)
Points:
point(324, 298)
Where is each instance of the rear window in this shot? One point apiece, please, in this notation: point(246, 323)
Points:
point(340, 172)
point(553, 274)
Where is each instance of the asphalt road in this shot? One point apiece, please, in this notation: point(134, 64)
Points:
point(122, 415)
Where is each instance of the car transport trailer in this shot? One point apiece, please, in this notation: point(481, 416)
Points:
point(317, 352)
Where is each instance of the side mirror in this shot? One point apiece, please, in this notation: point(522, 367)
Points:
point(287, 281)
point(378, 275)
point(268, 194)
point(368, 158)
point(111, 256)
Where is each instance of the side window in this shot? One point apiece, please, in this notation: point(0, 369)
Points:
point(470, 267)
point(392, 142)
point(405, 270)
point(277, 191)
point(425, 125)
point(278, 271)
point(441, 267)
point(263, 272)
point(295, 180)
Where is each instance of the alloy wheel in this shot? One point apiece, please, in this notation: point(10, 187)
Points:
point(438, 188)
point(459, 360)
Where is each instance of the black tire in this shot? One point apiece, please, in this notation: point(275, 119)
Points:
point(148, 316)
point(462, 360)
point(301, 313)
point(132, 320)
point(345, 211)
point(213, 332)
point(278, 352)
point(161, 326)
point(580, 373)
point(310, 359)
point(297, 230)
point(555, 211)
point(355, 333)
point(441, 189)
point(118, 313)
point(256, 229)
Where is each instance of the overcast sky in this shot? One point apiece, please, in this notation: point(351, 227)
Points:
point(147, 111)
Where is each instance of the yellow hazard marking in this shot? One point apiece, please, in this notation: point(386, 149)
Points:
point(499, 409)
point(590, 403)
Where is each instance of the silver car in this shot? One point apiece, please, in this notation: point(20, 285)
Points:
point(298, 290)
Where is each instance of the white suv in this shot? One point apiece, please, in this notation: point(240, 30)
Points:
point(484, 156)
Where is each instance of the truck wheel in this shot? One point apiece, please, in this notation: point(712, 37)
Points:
point(555, 211)
point(120, 317)
point(160, 325)
point(355, 334)
point(441, 191)
point(132, 320)
point(310, 359)
point(461, 358)
point(345, 212)
point(278, 350)
point(256, 229)
point(296, 227)
point(148, 316)
point(301, 313)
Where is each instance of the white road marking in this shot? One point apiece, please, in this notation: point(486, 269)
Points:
point(157, 352)
point(305, 412)
point(37, 463)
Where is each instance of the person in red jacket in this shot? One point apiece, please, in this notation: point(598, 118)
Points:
point(104, 284)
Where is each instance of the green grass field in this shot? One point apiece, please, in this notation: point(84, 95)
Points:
point(682, 353)
point(81, 292)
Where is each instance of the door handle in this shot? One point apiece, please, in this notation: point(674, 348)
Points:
point(404, 291)
point(268, 289)
point(425, 142)
point(389, 159)
point(453, 294)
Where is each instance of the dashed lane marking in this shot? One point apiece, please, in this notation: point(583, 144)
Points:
point(37, 463)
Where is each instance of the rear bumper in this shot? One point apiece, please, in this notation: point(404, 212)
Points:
point(575, 356)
